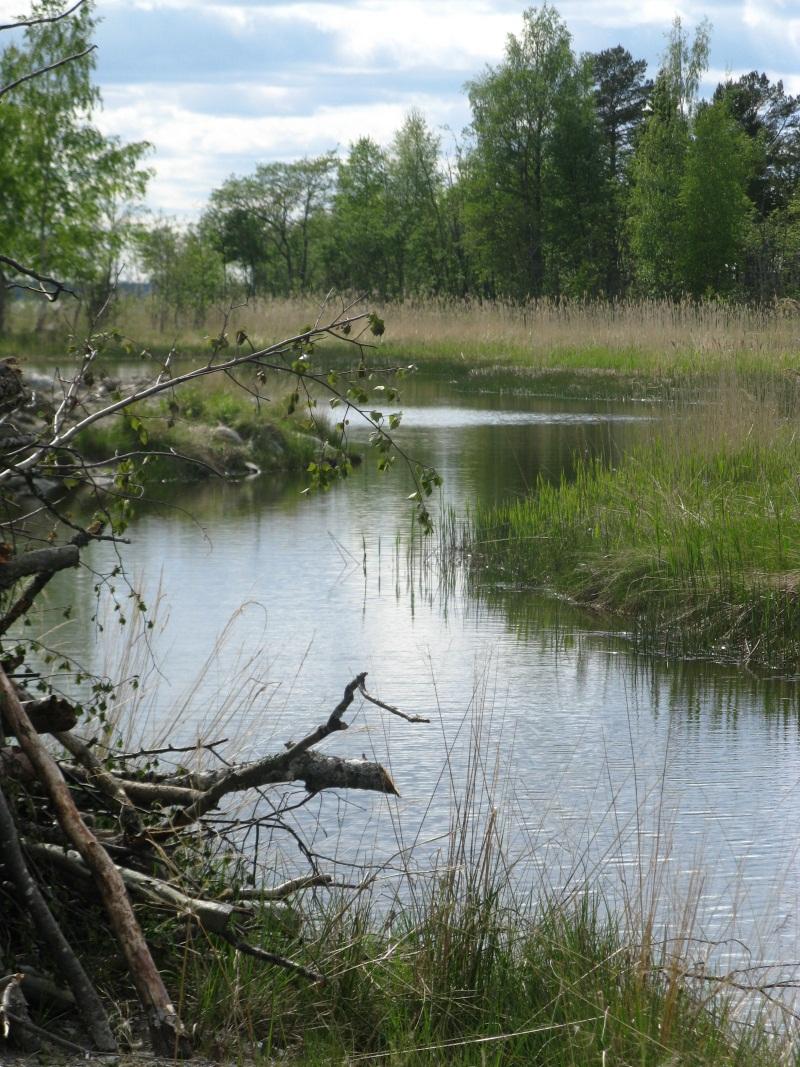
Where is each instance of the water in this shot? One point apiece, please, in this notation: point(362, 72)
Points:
point(650, 779)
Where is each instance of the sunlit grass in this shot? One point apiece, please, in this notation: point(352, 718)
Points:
point(649, 338)
point(695, 534)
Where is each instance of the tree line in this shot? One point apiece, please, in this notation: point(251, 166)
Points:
point(578, 177)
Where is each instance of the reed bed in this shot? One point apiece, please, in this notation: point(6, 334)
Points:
point(653, 338)
point(694, 535)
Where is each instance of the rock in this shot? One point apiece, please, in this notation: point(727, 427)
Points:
point(225, 433)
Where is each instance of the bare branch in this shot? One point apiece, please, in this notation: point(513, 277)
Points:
point(110, 786)
point(59, 439)
point(388, 707)
point(37, 73)
point(41, 19)
point(43, 279)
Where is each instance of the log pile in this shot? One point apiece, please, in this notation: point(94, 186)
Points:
point(113, 837)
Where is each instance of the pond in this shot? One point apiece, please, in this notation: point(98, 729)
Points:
point(659, 782)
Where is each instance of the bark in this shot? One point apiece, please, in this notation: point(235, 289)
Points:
point(48, 716)
point(33, 903)
point(166, 1031)
point(299, 764)
point(42, 560)
point(129, 818)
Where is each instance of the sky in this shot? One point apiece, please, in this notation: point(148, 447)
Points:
point(218, 86)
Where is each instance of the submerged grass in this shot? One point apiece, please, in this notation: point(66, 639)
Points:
point(694, 534)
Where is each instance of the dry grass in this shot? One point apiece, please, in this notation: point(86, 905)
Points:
point(648, 337)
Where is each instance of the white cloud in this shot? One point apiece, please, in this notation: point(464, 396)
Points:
point(304, 100)
point(195, 151)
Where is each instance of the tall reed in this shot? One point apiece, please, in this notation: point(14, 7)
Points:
point(649, 337)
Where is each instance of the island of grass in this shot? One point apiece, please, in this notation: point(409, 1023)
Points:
point(215, 430)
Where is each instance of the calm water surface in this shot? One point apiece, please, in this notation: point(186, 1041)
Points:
point(666, 778)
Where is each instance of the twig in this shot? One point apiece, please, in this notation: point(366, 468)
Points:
point(272, 957)
point(30, 273)
point(55, 1039)
point(388, 707)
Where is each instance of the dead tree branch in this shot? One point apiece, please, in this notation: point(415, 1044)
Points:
point(22, 23)
point(42, 560)
point(7, 89)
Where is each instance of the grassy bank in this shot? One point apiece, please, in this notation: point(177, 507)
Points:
point(694, 536)
point(467, 977)
point(213, 427)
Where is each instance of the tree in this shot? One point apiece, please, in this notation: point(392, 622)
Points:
point(657, 168)
point(684, 63)
point(68, 181)
point(714, 204)
point(514, 109)
point(578, 222)
point(364, 253)
point(276, 212)
point(655, 217)
point(621, 95)
point(416, 189)
point(185, 270)
point(771, 119)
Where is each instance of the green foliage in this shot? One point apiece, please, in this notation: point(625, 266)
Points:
point(363, 253)
point(655, 215)
point(267, 223)
point(714, 205)
point(66, 186)
point(514, 112)
point(186, 272)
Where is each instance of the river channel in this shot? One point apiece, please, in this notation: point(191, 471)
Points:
point(646, 778)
